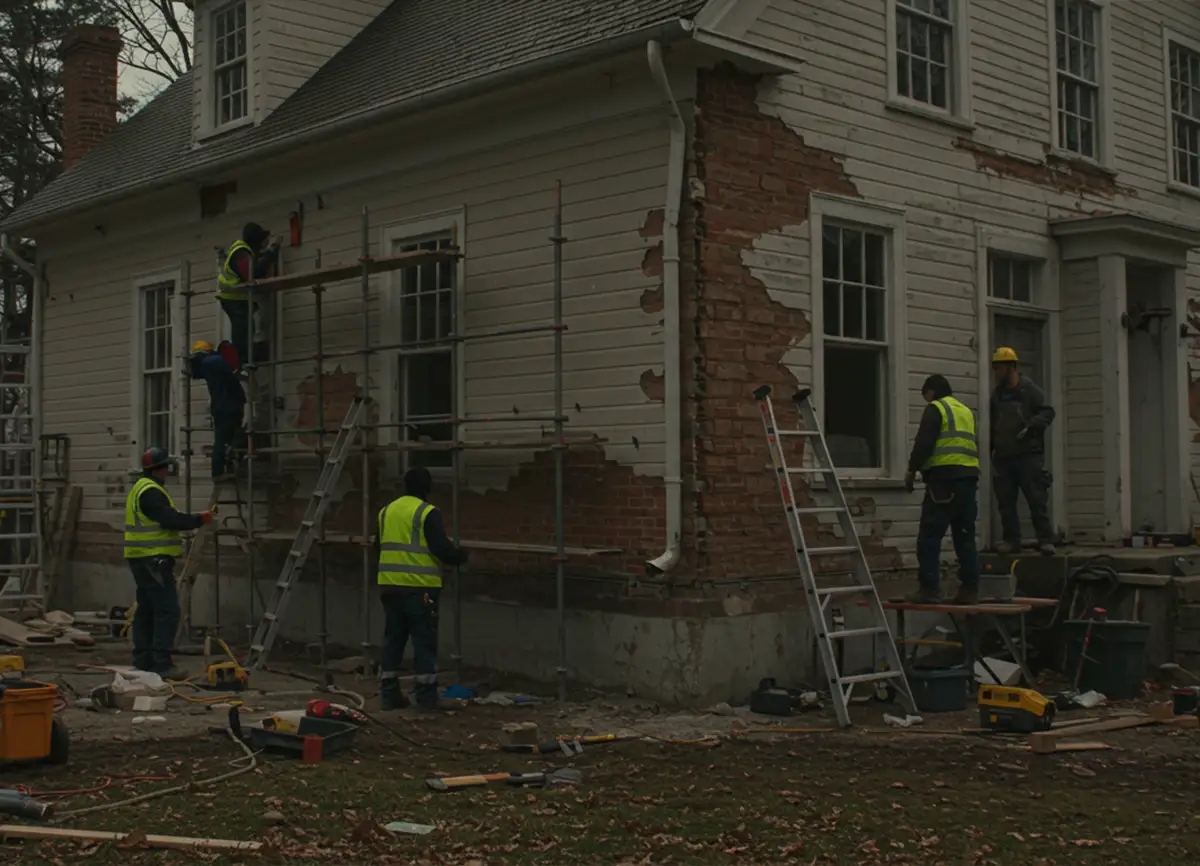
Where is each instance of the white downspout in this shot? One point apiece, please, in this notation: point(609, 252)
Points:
point(672, 477)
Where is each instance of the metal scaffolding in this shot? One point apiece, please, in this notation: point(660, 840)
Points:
point(318, 281)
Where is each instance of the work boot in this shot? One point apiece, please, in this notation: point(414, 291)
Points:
point(965, 595)
point(1008, 548)
point(173, 674)
point(1047, 548)
point(924, 596)
point(390, 696)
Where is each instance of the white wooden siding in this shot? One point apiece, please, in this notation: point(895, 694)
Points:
point(1083, 415)
point(301, 35)
point(836, 103)
point(613, 168)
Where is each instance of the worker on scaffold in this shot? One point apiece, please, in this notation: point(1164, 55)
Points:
point(226, 402)
point(411, 541)
point(251, 258)
point(152, 544)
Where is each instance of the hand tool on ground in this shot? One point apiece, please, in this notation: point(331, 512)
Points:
point(1005, 708)
point(223, 676)
point(564, 776)
point(322, 709)
point(21, 805)
point(569, 746)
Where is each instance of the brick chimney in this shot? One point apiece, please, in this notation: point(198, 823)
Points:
point(89, 88)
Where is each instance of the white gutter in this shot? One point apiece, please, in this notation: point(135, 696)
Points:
point(672, 476)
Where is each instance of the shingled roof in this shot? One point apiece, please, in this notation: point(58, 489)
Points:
point(413, 49)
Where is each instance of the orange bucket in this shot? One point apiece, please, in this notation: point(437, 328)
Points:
point(26, 719)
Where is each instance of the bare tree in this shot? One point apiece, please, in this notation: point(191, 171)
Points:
point(158, 41)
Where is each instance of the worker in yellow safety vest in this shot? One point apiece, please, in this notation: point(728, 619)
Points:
point(411, 542)
point(251, 258)
point(152, 544)
point(947, 456)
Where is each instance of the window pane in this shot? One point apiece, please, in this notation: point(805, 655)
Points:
point(831, 252)
point(876, 315)
point(853, 402)
point(937, 87)
point(852, 312)
point(876, 263)
point(833, 309)
point(920, 81)
point(852, 254)
point(1001, 279)
point(1022, 281)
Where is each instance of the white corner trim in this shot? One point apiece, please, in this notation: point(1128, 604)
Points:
point(961, 113)
point(453, 220)
point(1170, 37)
point(891, 220)
point(1114, 369)
point(1106, 128)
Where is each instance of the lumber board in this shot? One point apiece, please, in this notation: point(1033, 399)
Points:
point(16, 634)
point(1095, 727)
point(1086, 746)
point(339, 272)
point(179, 843)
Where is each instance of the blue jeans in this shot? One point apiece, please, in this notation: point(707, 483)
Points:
point(157, 616)
point(411, 612)
point(950, 504)
point(225, 430)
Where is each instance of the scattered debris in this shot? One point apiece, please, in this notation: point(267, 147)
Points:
point(902, 722)
point(410, 828)
point(179, 843)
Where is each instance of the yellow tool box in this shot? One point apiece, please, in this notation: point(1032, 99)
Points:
point(12, 667)
point(1004, 708)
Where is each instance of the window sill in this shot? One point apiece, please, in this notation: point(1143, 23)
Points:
point(1183, 189)
point(1066, 158)
point(862, 482)
point(927, 112)
point(210, 133)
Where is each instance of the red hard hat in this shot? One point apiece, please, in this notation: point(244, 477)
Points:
point(155, 457)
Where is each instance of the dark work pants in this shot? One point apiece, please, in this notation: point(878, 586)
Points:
point(225, 430)
point(952, 504)
point(411, 612)
point(157, 616)
point(1026, 475)
point(240, 327)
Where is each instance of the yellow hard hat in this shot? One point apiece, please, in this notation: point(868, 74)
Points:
point(202, 346)
point(1004, 355)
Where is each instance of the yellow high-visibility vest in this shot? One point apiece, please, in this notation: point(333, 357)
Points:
point(956, 444)
point(228, 278)
point(404, 557)
point(144, 537)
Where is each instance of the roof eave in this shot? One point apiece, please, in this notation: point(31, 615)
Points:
point(672, 30)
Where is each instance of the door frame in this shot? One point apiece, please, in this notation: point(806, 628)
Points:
point(1043, 251)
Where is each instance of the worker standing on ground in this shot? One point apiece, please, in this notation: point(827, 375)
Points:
point(226, 403)
point(248, 259)
point(947, 456)
point(1020, 417)
point(411, 540)
point(152, 544)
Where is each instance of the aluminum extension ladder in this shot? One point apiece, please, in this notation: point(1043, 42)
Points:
point(826, 623)
point(21, 495)
point(318, 504)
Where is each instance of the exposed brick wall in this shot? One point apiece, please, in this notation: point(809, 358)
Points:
point(89, 88)
point(752, 175)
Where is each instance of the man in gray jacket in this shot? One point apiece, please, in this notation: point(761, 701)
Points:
point(1020, 417)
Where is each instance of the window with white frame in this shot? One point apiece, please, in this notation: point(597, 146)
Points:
point(855, 343)
point(230, 69)
point(425, 374)
point(157, 366)
point(1077, 28)
point(1011, 278)
point(924, 51)
point(1184, 81)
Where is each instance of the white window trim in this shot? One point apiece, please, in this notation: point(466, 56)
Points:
point(209, 125)
point(891, 221)
point(1046, 306)
point(1169, 37)
point(137, 357)
point(1105, 127)
point(453, 221)
point(961, 112)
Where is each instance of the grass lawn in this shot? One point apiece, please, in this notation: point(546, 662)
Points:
point(852, 798)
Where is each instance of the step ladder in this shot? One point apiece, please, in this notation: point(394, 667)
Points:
point(827, 622)
point(268, 628)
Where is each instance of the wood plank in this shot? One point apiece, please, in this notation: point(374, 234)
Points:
point(1096, 728)
point(1086, 746)
point(65, 545)
point(337, 273)
point(14, 633)
point(179, 843)
point(994, 609)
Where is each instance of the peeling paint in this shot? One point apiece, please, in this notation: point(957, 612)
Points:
point(652, 385)
point(1069, 176)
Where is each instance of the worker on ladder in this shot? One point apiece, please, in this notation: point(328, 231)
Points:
point(251, 258)
point(226, 402)
point(152, 544)
point(410, 542)
point(947, 456)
